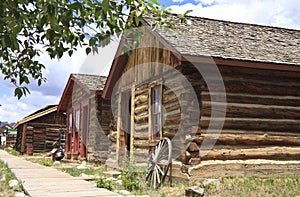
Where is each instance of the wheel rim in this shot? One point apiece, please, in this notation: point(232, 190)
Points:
point(160, 160)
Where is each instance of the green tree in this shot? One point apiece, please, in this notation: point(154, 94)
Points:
point(61, 26)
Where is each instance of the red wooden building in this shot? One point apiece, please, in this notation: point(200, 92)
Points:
point(88, 117)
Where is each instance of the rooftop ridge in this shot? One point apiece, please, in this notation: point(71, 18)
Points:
point(241, 23)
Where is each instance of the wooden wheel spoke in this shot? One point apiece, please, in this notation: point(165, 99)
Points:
point(160, 170)
point(157, 176)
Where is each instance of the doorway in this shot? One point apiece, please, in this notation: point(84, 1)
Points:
point(124, 126)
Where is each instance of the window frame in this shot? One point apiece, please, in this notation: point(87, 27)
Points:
point(156, 128)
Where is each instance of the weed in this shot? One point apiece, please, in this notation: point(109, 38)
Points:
point(89, 171)
point(106, 183)
point(12, 151)
point(256, 186)
point(132, 176)
point(6, 175)
point(42, 161)
point(47, 162)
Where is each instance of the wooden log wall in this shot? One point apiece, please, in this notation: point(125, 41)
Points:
point(262, 115)
point(262, 109)
point(40, 135)
point(141, 137)
point(11, 140)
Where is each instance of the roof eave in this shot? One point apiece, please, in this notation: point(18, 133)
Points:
point(241, 63)
point(35, 116)
point(65, 97)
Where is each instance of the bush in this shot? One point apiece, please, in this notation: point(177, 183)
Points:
point(132, 176)
point(105, 183)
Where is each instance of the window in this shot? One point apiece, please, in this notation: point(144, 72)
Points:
point(77, 121)
point(156, 112)
point(62, 137)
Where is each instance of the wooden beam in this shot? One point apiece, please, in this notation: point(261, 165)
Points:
point(132, 124)
point(23, 138)
point(150, 114)
point(241, 63)
point(118, 128)
point(278, 153)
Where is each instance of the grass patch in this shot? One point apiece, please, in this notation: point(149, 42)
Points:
point(5, 176)
point(256, 186)
point(89, 171)
point(12, 151)
point(42, 161)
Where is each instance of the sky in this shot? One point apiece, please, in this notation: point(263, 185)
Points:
point(281, 13)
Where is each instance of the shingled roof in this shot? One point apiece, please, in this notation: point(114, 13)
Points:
point(232, 40)
point(92, 82)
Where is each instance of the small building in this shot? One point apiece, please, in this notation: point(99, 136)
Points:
point(88, 117)
point(3, 133)
point(40, 129)
point(234, 86)
point(11, 137)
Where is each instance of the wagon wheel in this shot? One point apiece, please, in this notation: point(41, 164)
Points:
point(160, 163)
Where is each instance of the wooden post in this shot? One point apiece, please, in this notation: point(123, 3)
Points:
point(149, 114)
point(118, 128)
point(132, 125)
point(161, 113)
point(23, 138)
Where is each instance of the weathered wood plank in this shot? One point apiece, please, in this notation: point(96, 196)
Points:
point(255, 87)
point(253, 110)
point(254, 99)
point(249, 139)
point(278, 153)
point(283, 125)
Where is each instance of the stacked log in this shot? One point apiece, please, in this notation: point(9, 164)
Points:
point(262, 115)
point(141, 118)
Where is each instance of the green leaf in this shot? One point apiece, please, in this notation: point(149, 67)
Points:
point(70, 52)
point(88, 50)
point(18, 92)
point(154, 2)
point(105, 5)
point(92, 41)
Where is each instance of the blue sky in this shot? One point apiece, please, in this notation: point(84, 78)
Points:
point(282, 13)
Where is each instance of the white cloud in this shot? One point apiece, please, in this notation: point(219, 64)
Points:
point(177, 1)
point(282, 13)
point(206, 2)
point(99, 63)
point(13, 109)
point(57, 73)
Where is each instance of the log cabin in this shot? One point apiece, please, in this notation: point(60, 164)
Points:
point(235, 86)
point(88, 117)
point(40, 130)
